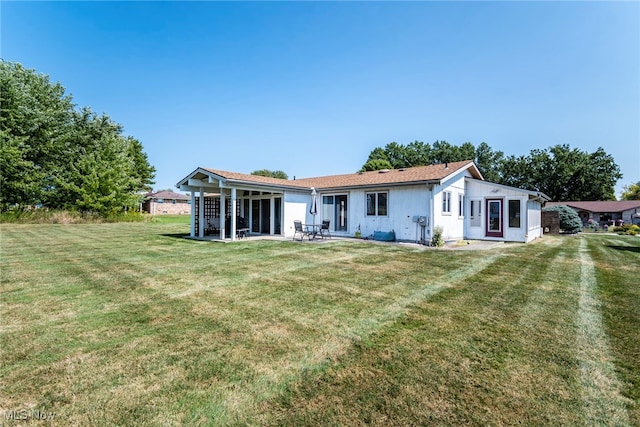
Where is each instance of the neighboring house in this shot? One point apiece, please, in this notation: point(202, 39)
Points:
point(410, 202)
point(606, 212)
point(166, 202)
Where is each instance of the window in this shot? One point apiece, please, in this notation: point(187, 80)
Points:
point(476, 207)
point(514, 213)
point(160, 201)
point(446, 202)
point(460, 205)
point(376, 204)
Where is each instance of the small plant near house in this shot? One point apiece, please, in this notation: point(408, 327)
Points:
point(437, 239)
point(592, 226)
point(570, 222)
point(630, 229)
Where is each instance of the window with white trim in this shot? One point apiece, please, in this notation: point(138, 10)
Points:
point(446, 202)
point(461, 205)
point(376, 204)
point(475, 213)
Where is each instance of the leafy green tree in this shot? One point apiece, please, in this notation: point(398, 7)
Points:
point(376, 165)
point(270, 173)
point(560, 172)
point(563, 173)
point(631, 192)
point(60, 157)
point(489, 162)
point(34, 119)
point(570, 221)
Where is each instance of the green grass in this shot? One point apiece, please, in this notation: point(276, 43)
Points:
point(120, 324)
point(172, 219)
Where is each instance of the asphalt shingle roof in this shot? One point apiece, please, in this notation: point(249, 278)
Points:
point(601, 206)
point(166, 195)
point(416, 174)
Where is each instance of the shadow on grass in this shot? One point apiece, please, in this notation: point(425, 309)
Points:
point(176, 235)
point(625, 248)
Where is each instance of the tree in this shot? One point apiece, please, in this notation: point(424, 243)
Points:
point(570, 221)
point(376, 165)
point(34, 119)
point(270, 173)
point(563, 173)
point(489, 162)
point(560, 172)
point(60, 157)
point(631, 192)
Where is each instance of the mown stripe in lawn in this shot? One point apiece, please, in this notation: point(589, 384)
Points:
point(462, 355)
point(603, 401)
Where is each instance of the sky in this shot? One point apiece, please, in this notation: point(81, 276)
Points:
point(311, 88)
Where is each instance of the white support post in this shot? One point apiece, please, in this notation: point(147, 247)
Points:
point(201, 214)
point(249, 215)
point(233, 214)
point(222, 214)
point(192, 232)
point(272, 217)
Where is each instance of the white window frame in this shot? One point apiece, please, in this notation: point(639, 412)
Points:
point(460, 205)
point(446, 202)
point(475, 215)
point(376, 203)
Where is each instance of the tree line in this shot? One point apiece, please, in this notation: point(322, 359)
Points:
point(56, 155)
point(561, 172)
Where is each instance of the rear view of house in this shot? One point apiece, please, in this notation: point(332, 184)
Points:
point(166, 202)
point(606, 212)
point(408, 202)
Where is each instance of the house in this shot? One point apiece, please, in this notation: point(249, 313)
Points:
point(606, 212)
point(409, 202)
point(166, 202)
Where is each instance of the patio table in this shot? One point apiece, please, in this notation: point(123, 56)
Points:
point(314, 229)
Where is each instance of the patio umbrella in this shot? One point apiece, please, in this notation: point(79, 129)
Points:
point(314, 205)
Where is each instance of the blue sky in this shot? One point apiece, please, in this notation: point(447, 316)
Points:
point(311, 88)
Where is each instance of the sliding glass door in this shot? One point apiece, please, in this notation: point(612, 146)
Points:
point(334, 208)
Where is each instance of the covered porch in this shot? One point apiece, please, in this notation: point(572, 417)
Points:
point(228, 207)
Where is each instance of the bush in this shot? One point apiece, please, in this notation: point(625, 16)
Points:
point(437, 239)
point(570, 222)
point(54, 216)
point(592, 226)
point(630, 229)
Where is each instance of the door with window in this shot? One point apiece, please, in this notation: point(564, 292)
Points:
point(495, 226)
point(334, 208)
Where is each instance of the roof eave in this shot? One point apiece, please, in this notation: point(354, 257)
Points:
point(378, 185)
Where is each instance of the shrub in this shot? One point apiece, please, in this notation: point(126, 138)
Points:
point(570, 222)
point(630, 229)
point(437, 239)
point(54, 216)
point(592, 226)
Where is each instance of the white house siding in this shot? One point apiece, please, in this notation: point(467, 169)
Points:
point(534, 220)
point(296, 207)
point(403, 203)
point(530, 211)
point(453, 225)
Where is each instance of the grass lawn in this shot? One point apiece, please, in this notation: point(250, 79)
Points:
point(126, 324)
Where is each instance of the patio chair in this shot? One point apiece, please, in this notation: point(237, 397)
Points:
point(324, 229)
point(299, 229)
